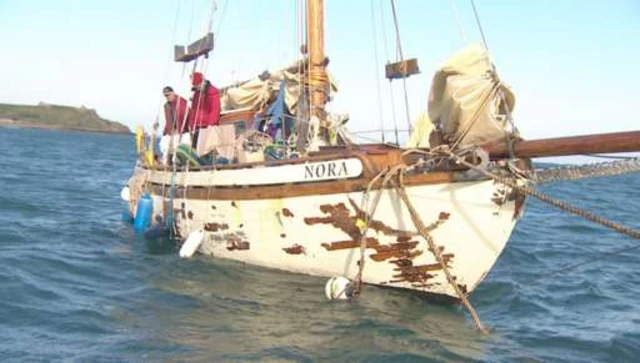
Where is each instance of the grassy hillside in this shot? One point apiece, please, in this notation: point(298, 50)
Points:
point(57, 117)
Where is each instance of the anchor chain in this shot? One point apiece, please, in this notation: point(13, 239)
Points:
point(611, 168)
point(604, 169)
point(557, 203)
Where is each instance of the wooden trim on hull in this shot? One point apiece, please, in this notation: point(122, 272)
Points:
point(298, 189)
point(374, 158)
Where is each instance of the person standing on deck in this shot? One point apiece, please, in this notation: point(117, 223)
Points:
point(205, 106)
point(175, 112)
point(175, 115)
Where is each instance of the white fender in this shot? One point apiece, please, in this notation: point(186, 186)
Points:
point(339, 288)
point(125, 193)
point(191, 245)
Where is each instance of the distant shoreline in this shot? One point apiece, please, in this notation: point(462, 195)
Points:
point(20, 124)
point(46, 116)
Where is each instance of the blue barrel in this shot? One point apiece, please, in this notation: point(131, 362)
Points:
point(143, 213)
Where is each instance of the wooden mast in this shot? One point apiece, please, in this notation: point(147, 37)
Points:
point(317, 63)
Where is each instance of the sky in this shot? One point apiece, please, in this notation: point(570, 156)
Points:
point(573, 65)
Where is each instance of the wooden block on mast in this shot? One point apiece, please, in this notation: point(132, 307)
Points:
point(196, 49)
point(402, 69)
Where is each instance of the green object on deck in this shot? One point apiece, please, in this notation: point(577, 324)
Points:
point(187, 156)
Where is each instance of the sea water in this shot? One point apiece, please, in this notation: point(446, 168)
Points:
point(77, 283)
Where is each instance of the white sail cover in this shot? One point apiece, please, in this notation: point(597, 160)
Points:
point(257, 92)
point(468, 100)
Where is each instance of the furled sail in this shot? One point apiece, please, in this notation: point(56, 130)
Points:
point(468, 101)
point(256, 93)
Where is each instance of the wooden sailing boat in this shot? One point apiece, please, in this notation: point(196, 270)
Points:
point(431, 219)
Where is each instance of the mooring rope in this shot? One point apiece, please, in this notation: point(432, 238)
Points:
point(423, 230)
point(367, 222)
point(437, 253)
point(170, 219)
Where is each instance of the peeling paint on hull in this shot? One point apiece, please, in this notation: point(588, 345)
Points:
point(319, 235)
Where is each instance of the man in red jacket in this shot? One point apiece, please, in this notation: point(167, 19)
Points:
point(205, 106)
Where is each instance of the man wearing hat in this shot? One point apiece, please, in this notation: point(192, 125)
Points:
point(175, 115)
point(205, 106)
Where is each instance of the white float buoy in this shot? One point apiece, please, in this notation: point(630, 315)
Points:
point(191, 245)
point(125, 194)
point(339, 288)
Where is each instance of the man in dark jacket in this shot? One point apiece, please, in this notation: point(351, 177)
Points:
point(175, 131)
point(175, 112)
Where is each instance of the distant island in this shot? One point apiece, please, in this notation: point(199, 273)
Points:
point(56, 117)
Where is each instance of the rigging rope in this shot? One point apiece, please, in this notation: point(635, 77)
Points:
point(476, 114)
point(214, 7)
point(193, 14)
point(475, 13)
point(498, 83)
point(399, 49)
point(169, 61)
point(463, 36)
point(386, 51)
point(377, 74)
point(393, 112)
point(395, 24)
point(224, 12)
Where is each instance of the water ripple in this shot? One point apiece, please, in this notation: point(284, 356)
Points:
point(78, 284)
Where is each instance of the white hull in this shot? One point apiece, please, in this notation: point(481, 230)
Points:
point(319, 234)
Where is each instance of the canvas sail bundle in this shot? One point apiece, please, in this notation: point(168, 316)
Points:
point(258, 92)
point(468, 101)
